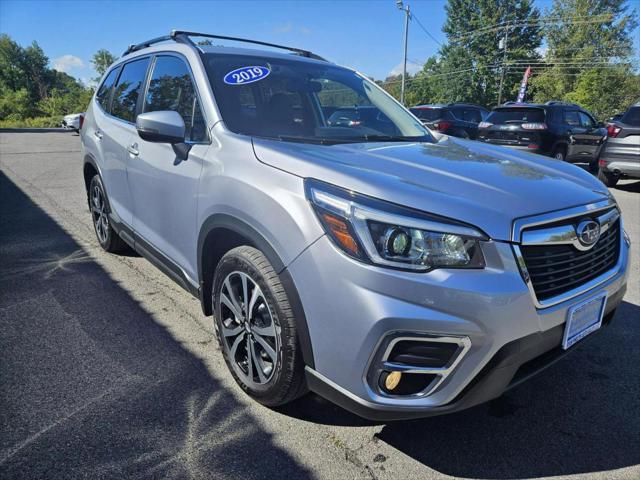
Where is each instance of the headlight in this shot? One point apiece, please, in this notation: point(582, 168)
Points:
point(386, 234)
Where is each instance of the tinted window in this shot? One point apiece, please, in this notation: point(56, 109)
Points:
point(516, 115)
point(104, 92)
point(571, 118)
point(428, 114)
point(468, 114)
point(171, 88)
point(586, 121)
point(125, 94)
point(632, 117)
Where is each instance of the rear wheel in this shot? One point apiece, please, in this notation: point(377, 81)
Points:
point(559, 153)
point(609, 179)
point(256, 328)
point(109, 240)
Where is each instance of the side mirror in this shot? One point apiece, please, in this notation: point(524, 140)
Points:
point(164, 127)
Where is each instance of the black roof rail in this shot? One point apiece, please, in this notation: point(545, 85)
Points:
point(182, 36)
point(560, 102)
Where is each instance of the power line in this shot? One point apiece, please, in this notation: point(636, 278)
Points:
point(425, 30)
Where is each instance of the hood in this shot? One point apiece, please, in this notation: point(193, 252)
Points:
point(476, 183)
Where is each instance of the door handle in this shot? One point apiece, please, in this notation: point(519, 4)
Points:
point(98, 134)
point(133, 150)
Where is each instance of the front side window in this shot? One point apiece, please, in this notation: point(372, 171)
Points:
point(296, 100)
point(127, 90)
point(171, 88)
point(586, 121)
point(104, 92)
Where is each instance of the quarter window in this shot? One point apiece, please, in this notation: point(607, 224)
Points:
point(104, 92)
point(125, 95)
point(171, 88)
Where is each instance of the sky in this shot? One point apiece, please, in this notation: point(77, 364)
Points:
point(365, 34)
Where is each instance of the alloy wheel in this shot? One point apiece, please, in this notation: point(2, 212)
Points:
point(99, 213)
point(248, 329)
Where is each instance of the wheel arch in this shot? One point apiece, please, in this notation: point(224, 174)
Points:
point(219, 234)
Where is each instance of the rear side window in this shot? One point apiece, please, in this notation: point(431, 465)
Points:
point(171, 88)
point(428, 114)
point(516, 115)
point(104, 92)
point(632, 117)
point(127, 90)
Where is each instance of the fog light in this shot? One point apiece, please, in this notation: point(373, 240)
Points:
point(392, 380)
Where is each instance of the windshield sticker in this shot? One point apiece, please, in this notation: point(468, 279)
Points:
point(243, 75)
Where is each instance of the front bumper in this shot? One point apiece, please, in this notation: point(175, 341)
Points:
point(349, 312)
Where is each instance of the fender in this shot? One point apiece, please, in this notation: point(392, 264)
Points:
point(258, 241)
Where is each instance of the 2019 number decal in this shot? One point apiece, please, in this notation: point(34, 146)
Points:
point(243, 75)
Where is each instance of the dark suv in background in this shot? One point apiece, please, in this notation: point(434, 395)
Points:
point(455, 119)
point(561, 130)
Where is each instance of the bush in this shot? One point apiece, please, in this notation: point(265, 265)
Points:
point(37, 122)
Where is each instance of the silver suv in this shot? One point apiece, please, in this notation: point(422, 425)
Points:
point(397, 272)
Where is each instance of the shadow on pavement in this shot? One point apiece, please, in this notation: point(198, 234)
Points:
point(628, 187)
point(92, 387)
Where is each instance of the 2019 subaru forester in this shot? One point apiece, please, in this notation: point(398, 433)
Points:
point(397, 274)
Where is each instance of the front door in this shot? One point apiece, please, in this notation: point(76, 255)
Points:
point(165, 188)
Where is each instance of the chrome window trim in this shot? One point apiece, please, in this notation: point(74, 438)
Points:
point(523, 223)
point(376, 365)
point(585, 287)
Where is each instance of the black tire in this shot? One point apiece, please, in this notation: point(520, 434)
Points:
point(282, 380)
point(609, 179)
point(108, 239)
point(593, 166)
point(559, 153)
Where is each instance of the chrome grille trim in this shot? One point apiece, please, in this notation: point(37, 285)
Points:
point(607, 220)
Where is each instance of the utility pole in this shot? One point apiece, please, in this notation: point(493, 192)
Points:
point(505, 39)
point(407, 17)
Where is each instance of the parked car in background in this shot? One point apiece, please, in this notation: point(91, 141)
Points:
point(615, 118)
point(621, 155)
point(561, 130)
point(455, 119)
point(73, 121)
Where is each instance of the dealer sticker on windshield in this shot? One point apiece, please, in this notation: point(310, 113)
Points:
point(243, 75)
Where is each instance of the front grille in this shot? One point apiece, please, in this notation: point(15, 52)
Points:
point(556, 269)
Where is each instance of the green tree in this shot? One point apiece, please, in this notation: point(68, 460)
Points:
point(478, 31)
point(590, 47)
point(101, 61)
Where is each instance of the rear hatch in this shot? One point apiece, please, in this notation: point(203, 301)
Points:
point(514, 126)
point(430, 116)
point(624, 135)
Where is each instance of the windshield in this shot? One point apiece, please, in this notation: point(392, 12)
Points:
point(295, 100)
point(516, 115)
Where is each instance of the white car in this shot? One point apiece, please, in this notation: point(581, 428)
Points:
point(73, 121)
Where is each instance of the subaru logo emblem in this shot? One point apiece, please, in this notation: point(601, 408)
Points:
point(588, 233)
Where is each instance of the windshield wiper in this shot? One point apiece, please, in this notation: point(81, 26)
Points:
point(386, 138)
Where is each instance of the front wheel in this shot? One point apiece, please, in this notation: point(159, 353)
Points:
point(256, 328)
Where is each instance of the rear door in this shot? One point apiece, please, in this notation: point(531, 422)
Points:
point(164, 188)
point(574, 132)
point(117, 133)
point(587, 141)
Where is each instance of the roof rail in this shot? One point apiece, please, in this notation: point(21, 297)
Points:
point(560, 102)
point(182, 36)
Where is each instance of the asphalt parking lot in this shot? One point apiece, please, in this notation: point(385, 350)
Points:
point(109, 370)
